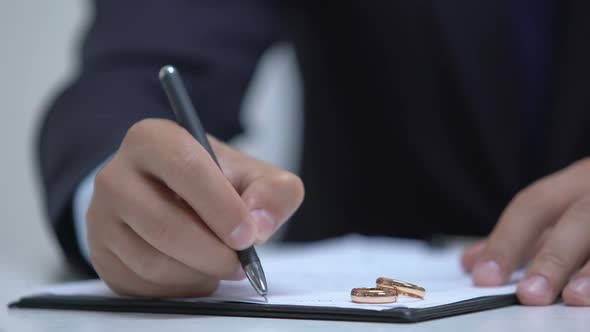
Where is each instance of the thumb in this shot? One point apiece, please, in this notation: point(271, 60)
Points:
point(271, 199)
point(271, 194)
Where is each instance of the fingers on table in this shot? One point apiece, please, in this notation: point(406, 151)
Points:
point(577, 291)
point(471, 254)
point(524, 221)
point(566, 249)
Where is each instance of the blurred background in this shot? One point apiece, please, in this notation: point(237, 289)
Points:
point(38, 45)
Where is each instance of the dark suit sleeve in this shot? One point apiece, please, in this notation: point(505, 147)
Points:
point(214, 43)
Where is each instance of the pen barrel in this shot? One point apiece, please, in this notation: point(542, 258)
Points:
point(248, 256)
point(183, 108)
point(186, 116)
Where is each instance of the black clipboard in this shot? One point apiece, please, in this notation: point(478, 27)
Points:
point(141, 305)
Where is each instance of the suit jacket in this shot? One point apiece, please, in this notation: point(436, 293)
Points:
point(413, 124)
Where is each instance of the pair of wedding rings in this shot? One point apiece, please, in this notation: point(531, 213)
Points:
point(387, 291)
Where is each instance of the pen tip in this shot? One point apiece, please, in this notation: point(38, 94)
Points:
point(256, 277)
point(265, 298)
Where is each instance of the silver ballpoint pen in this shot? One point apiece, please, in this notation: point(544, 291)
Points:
point(187, 117)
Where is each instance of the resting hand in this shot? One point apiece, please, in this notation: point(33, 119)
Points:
point(547, 223)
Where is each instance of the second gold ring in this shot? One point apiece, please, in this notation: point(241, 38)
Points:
point(402, 287)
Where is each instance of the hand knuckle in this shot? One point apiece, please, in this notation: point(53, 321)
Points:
point(147, 130)
point(291, 183)
point(142, 128)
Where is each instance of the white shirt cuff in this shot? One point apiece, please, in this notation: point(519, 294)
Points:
point(80, 204)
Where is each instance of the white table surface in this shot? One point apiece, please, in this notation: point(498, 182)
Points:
point(18, 277)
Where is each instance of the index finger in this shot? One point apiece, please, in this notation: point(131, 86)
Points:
point(169, 153)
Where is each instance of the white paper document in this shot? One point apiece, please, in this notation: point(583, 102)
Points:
point(323, 274)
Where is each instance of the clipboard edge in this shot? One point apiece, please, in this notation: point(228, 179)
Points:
point(137, 305)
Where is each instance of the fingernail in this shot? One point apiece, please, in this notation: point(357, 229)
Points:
point(536, 286)
point(581, 286)
point(264, 222)
point(487, 273)
point(242, 236)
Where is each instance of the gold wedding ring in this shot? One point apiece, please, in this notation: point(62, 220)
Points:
point(402, 287)
point(373, 295)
